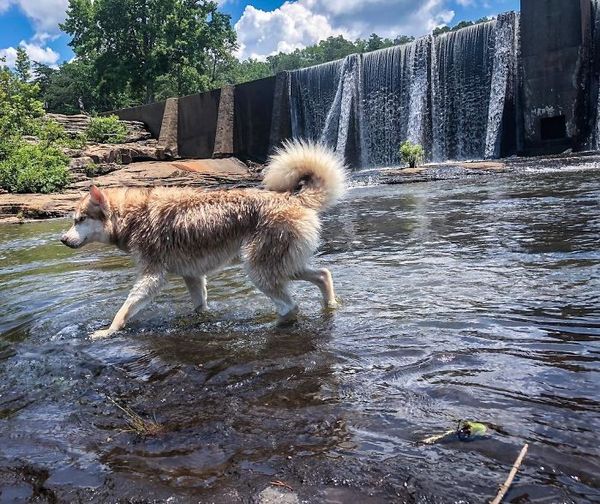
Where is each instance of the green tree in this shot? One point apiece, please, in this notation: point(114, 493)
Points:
point(135, 44)
point(403, 39)
point(23, 65)
point(463, 24)
point(233, 71)
point(42, 76)
point(19, 105)
point(25, 167)
point(375, 42)
point(73, 85)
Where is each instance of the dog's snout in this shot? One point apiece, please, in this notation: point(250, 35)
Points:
point(63, 239)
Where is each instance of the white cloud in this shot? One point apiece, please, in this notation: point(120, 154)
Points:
point(304, 22)
point(4, 5)
point(45, 15)
point(291, 26)
point(36, 53)
point(10, 55)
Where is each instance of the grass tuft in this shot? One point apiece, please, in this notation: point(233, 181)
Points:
point(137, 424)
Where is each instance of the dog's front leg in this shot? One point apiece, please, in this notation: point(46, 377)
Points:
point(198, 292)
point(145, 288)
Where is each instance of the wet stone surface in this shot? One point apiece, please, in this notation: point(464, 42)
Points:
point(470, 299)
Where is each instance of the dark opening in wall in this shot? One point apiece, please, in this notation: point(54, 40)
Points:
point(553, 128)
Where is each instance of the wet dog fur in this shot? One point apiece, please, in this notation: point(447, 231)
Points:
point(191, 233)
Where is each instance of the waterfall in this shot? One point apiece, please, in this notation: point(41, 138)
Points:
point(338, 123)
point(504, 74)
point(473, 71)
point(394, 106)
point(312, 93)
point(448, 93)
point(462, 72)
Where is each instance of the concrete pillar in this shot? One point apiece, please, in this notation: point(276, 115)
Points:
point(281, 125)
point(555, 45)
point(168, 139)
point(224, 146)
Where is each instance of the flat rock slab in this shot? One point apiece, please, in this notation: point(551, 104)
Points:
point(226, 166)
point(205, 173)
point(176, 173)
point(441, 171)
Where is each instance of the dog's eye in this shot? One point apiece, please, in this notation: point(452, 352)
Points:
point(79, 220)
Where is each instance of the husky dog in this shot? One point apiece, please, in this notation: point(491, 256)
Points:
point(190, 232)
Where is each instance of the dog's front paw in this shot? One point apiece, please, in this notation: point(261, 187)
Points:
point(101, 334)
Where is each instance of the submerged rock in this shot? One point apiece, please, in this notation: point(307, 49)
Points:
point(272, 495)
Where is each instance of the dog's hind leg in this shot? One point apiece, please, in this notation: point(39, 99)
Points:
point(276, 290)
point(286, 308)
point(323, 280)
point(145, 288)
point(198, 292)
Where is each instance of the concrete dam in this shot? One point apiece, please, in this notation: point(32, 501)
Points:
point(524, 83)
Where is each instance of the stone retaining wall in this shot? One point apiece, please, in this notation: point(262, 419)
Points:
point(233, 121)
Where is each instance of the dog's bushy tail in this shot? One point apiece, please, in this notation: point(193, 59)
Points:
point(310, 170)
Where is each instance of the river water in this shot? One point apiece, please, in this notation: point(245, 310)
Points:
point(472, 299)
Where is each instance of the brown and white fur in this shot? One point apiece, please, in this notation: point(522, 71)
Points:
point(190, 232)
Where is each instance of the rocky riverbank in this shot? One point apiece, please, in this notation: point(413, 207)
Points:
point(141, 161)
point(195, 173)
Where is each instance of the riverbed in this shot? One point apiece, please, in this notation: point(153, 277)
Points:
point(460, 299)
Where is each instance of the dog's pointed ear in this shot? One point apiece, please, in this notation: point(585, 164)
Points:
point(97, 197)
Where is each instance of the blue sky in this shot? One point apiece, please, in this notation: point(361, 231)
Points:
point(263, 26)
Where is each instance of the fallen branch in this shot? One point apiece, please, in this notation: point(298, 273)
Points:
point(511, 476)
point(281, 484)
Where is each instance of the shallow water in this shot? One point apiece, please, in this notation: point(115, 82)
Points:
point(475, 299)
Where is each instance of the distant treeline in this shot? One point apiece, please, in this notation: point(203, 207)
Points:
point(130, 52)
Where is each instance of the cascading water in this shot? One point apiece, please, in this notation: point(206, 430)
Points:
point(394, 106)
point(504, 80)
point(448, 93)
point(471, 75)
point(313, 91)
point(338, 123)
point(325, 101)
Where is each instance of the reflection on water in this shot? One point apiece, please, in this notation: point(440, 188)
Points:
point(475, 299)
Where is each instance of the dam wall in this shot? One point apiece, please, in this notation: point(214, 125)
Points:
point(523, 83)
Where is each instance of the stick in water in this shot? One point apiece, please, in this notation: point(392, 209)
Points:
point(513, 472)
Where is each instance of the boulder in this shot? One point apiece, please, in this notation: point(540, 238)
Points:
point(124, 153)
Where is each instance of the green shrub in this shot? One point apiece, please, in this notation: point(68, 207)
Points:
point(411, 153)
point(77, 142)
point(34, 168)
point(50, 132)
point(106, 129)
